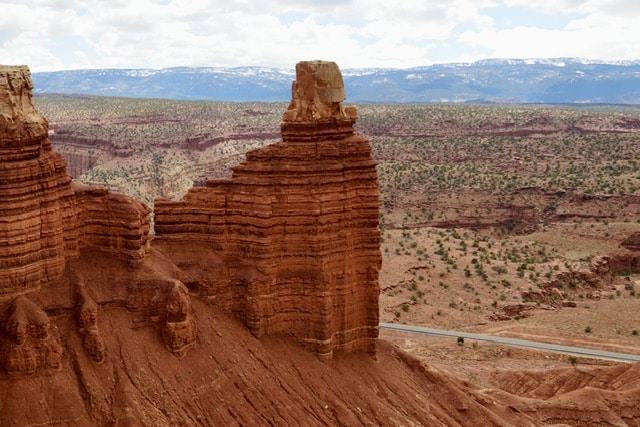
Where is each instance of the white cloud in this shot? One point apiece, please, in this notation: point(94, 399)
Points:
point(355, 33)
point(594, 35)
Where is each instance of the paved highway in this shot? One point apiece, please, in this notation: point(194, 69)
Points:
point(577, 351)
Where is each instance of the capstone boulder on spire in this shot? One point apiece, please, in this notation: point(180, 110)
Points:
point(19, 119)
point(317, 94)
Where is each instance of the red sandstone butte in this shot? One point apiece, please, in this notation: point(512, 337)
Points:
point(290, 244)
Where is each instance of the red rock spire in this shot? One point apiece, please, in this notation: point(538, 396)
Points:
point(293, 236)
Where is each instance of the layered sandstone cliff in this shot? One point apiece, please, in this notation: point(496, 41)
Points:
point(293, 236)
point(44, 218)
point(45, 221)
point(34, 188)
point(289, 245)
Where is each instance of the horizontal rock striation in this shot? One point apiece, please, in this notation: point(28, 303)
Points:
point(293, 235)
point(34, 188)
point(632, 242)
point(44, 217)
point(112, 222)
point(36, 206)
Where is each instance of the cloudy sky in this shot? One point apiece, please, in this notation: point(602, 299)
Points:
point(72, 34)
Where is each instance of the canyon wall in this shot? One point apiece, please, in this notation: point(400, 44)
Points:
point(98, 328)
point(292, 238)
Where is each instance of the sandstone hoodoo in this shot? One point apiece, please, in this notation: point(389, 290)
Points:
point(292, 239)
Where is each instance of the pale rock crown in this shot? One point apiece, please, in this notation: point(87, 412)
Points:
point(19, 118)
point(317, 94)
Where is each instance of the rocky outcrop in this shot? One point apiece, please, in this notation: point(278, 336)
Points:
point(27, 344)
point(317, 95)
point(292, 237)
point(22, 128)
point(87, 313)
point(35, 190)
point(582, 396)
point(179, 329)
point(632, 242)
point(45, 218)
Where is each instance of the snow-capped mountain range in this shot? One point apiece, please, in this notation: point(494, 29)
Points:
point(554, 80)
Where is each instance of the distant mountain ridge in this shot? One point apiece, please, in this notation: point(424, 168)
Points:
point(555, 80)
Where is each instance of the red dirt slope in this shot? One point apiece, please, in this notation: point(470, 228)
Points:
point(228, 378)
